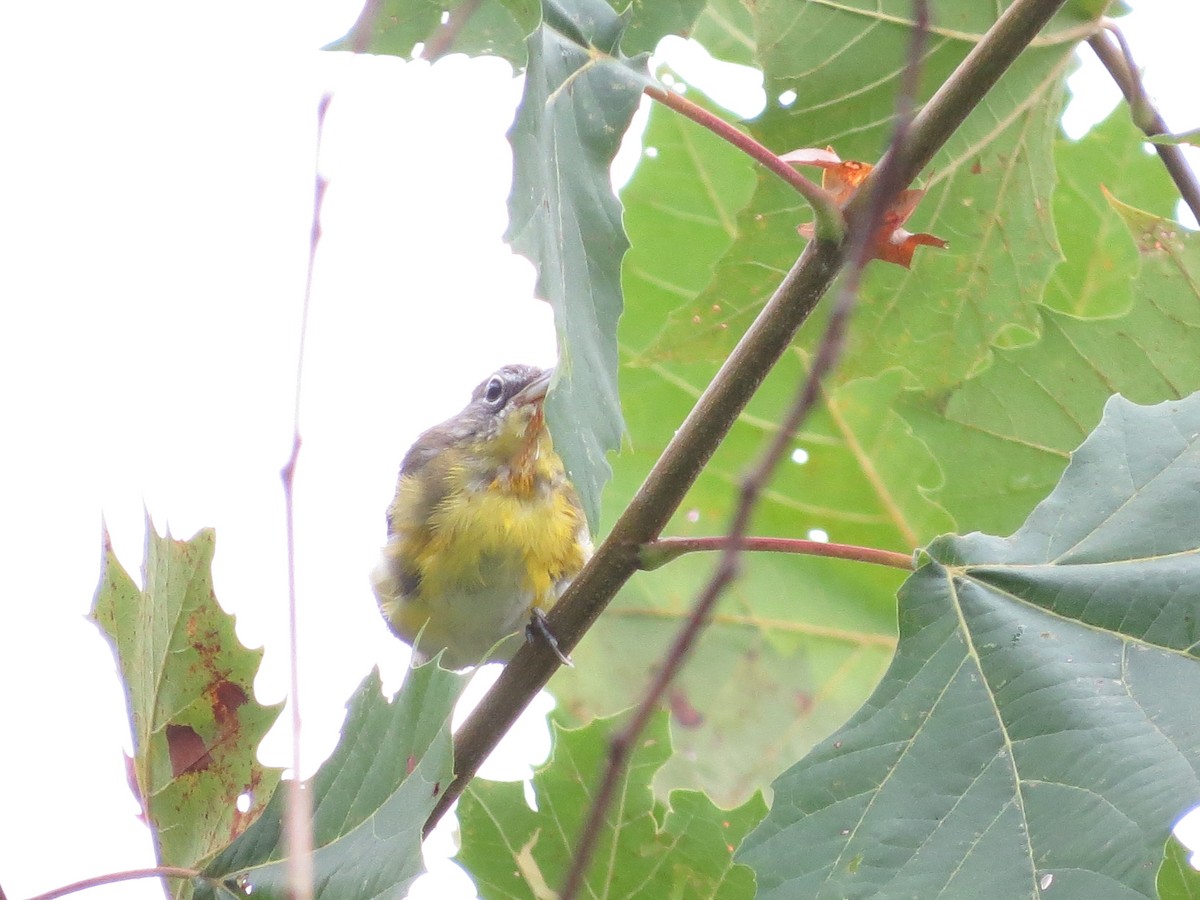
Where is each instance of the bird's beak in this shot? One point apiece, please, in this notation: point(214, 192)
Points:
point(535, 391)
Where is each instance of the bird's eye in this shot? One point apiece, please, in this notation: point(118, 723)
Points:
point(494, 391)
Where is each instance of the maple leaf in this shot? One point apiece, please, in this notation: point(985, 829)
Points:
point(842, 178)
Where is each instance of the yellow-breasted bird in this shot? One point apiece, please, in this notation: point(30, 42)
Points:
point(485, 531)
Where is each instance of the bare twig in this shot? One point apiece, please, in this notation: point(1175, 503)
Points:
point(664, 550)
point(1124, 71)
point(884, 189)
point(691, 447)
point(298, 820)
point(828, 222)
point(442, 41)
point(116, 878)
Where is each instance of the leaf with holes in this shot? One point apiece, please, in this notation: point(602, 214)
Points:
point(1031, 732)
point(397, 27)
point(649, 22)
point(798, 643)
point(190, 689)
point(646, 850)
point(830, 77)
point(370, 799)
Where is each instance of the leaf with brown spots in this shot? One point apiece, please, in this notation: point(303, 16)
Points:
point(188, 684)
point(369, 799)
point(188, 753)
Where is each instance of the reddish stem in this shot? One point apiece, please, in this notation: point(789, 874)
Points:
point(662, 551)
point(829, 222)
point(116, 877)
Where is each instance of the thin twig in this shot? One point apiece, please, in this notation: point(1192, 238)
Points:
point(442, 41)
point(1124, 71)
point(829, 224)
point(884, 188)
point(299, 808)
point(658, 553)
point(696, 439)
point(116, 878)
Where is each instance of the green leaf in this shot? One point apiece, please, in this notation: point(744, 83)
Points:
point(1101, 261)
point(646, 849)
point(579, 97)
point(492, 27)
point(189, 686)
point(1184, 137)
point(370, 798)
point(1177, 878)
point(1092, 9)
point(726, 30)
point(688, 183)
point(651, 20)
point(1003, 439)
point(799, 642)
point(1029, 734)
point(988, 191)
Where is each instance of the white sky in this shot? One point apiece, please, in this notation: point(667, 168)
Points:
point(157, 183)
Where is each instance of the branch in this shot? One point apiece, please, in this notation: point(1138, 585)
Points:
point(1124, 71)
point(658, 553)
point(829, 223)
point(959, 94)
point(882, 191)
point(117, 877)
point(616, 559)
point(298, 818)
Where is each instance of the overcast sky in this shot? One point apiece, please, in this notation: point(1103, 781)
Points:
point(158, 168)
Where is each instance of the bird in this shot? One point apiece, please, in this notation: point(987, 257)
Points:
point(485, 531)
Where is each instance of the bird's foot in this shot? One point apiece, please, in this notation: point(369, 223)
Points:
point(539, 627)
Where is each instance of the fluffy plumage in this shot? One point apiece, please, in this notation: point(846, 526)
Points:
point(484, 527)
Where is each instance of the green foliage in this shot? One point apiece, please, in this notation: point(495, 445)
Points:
point(1177, 880)
point(395, 27)
point(1029, 731)
point(650, 850)
point(1028, 734)
point(1184, 137)
point(190, 689)
point(726, 30)
point(580, 95)
point(773, 675)
point(1004, 438)
point(197, 727)
point(1100, 261)
point(649, 20)
point(370, 798)
point(988, 193)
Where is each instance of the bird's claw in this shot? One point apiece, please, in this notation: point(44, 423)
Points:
point(539, 627)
